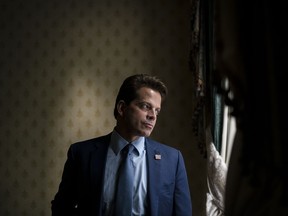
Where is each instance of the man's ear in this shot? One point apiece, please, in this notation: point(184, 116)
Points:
point(121, 106)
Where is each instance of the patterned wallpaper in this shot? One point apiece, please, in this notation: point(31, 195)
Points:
point(61, 63)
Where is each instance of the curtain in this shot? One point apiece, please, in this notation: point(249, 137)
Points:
point(216, 179)
point(197, 67)
point(252, 40)
point(208, 113)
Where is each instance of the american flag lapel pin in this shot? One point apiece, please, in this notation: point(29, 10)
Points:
point(157, 156)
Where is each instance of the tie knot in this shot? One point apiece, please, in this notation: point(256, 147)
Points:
point(127, 149)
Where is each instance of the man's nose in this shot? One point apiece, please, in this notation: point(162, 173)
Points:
point(152, 114)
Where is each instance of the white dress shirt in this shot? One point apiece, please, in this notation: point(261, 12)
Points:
point(140, 180)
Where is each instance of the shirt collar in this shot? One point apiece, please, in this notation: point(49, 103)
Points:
point(118, 143)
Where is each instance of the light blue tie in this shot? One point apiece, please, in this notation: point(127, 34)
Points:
point(124, 193)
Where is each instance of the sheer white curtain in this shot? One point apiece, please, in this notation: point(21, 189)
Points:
point(217, 164)
point(228, 134)
point(216, 179)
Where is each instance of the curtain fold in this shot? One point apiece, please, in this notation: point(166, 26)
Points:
point(197, 67)
point(216, 179)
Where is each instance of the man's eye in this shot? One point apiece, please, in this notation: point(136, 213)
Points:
point(157, 112)
point(148, 108)
point(145, 106)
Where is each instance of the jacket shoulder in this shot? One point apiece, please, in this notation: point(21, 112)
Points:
point(92, 143)
point(160, 146)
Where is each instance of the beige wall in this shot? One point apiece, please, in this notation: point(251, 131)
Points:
point(60, 68)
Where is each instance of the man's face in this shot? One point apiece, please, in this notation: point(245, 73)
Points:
point(139, 117)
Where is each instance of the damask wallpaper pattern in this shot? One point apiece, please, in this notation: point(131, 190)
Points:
point(61, 63)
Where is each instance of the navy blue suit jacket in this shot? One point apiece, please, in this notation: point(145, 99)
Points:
point(80, 190)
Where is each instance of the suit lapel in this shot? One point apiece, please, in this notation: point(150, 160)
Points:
point(154, 175)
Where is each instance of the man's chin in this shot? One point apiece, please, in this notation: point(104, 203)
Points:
point(145, 133)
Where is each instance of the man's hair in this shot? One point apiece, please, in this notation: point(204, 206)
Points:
point(131, 85)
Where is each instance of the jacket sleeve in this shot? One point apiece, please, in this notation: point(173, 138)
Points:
point(182, 198)
point(65, 200)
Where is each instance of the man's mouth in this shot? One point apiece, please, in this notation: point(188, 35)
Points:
point(148, 125)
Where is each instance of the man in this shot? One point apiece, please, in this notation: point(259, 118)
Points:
point(91, 172)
